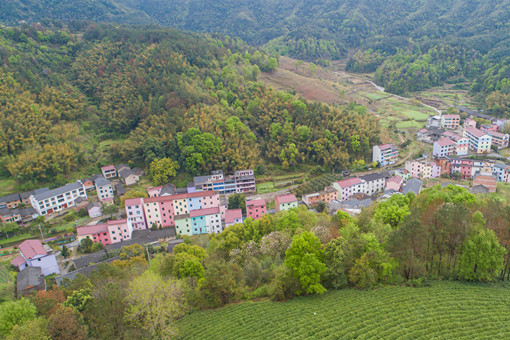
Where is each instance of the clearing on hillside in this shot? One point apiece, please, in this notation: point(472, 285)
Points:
point(445, 310)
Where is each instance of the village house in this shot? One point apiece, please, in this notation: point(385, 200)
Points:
point(488, 181)
point(104, 189)
point(10, 215)
point(241, 181)
point(469, 123)
point(32, 253)
point(256, 208)
point(94, 209)
point(479, 141)
point(128, 177)
point(413, 185)
point(233, 216)
point(120, 190)
point(10, 201)
point(88, 184)
point(28, 280)
point(154, 191)
point(135, 213)
point(109, 171)
point(285, 202)
point(385, 154)
point(394, 183)
point(450, 121)
point(499, 139)
point(327, 195)
point(81, 203)
point(51, 201)
point(443, 147)
point(348, 187)
point(96, 233)
point(373, 183)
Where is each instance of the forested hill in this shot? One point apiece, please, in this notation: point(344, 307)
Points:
point(154, 93)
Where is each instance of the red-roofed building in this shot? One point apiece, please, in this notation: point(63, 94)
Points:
point(394, 183)
point(203, 221)
point(499, 139)
point(97, 233)
point(119, 230)
point(444, 147)
point(233, 216)
point(256, 208)
point(348, 187)
point(285, 202)
point(155, 191)
point(109, 171)
point(34, 254)
point(488, 181)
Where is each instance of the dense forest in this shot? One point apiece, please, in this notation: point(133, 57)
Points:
point(412, 45)
point(158, 93)
point(443, 233)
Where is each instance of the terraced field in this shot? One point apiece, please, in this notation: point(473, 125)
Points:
point(446, 310)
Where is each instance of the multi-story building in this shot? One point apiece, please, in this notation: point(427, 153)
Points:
point(489, 127)
point(241, 181)
point(385, 154)
point(423, 169)
point(479, 141)
point(462, 146)
point(499, 139)
point(33, 254)
point(104, 189)
point(96, 233)
point(499, 170)
point(256, 208)
point(463, 167)
point(10, 201)
point(285, 202)
point(109, 171)
point(119, 230)
point(135, 213)
point(469, 123)
point(348, 187)
point(394, 183)
point(451, 121)
point(152, 211)
point(51, 201)
point(444, 164)
point(443, 148)
point(233, 216)
point(205, 221)
point(327, 195)
point(373, 183)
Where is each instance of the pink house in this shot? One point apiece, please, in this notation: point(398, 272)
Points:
point(97, 233)
point(135, 214)
point(233, 216)
point(394, 183)
point(256, 208)
point(118, 230)
point(469, 123)
point(166, 207)
point(435, 170)
point(444, 147)
point(154, 191)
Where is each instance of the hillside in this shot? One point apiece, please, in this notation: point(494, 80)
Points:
point(447, 310)
point(72, 103)
point(412, 45)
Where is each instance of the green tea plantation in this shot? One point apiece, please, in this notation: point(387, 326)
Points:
point(445, 310)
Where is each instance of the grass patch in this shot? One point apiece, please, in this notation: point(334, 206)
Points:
point(16, 238)
point(264, 188)
point(7, 186)
point(445, 310)
point(409, 124)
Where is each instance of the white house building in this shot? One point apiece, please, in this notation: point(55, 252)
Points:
point(33, 254)
point(51, 201)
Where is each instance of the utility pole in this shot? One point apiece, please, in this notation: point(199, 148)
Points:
point(148, 255)
point(41, 232)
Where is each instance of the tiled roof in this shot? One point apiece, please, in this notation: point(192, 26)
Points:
point(10, 198)
point(397, 179)
point(92, 229)
point(125, 173)
point(179, 196)
point(349, 182)
point(101, 181)
point(58, 191)
point(115, 222)
point(385, 146)
point(373, 177)
point(452, 116)
point(256, 203)
point(445, 142)
point(18, 261)
point(133, 201)
point(286, 199)
point(232, 215)
point(31, 248)
point(475, 132)
point(204, 212)
point(108, 167)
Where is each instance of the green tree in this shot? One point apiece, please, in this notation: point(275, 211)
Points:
point(65, 252)
point(393, 210)
point(304, 257)
point(36, 329)
point(482, 256)
point(109, 210)
point(161, 170)
point(79, 299)
point(154, 303)
point(237, 201)
point(8, 228)
point(132, 194)
point(187, 265)
point(223, 283)
point(194, 250)
point(66, 323)
point(334, 276)
point(14, 313)
point(85, 245)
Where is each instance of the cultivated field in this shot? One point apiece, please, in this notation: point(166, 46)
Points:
point(445, 310)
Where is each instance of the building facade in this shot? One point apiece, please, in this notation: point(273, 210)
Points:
point(51, 201)
point(479, 141)
point(285, 202)
point(385, 154)
point(256, 208)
